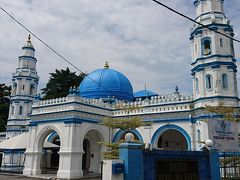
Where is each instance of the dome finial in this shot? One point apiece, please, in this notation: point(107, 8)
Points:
point(29, 38)
point(106, 66)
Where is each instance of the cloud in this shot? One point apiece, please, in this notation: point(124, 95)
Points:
point(143, 40)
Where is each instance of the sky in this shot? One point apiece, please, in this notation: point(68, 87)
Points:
point(144, 41)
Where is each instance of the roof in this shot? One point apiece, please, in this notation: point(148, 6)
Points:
point(106, 83)
point(144, 94)
point(21, 142)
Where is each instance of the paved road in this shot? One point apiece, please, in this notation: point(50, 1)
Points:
point(20, 177)
point(13, 177)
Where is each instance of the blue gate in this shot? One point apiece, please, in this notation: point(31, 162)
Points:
point(143, 164)
point(176, 165)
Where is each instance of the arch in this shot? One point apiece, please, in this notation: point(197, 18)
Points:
point(196, 84)
point(224, 81)
point(32, 88)
point(209, 81)
point(52, 136)
point(117, 136)
point(164, 128)
point(92, 151)
point(48, 157)
point(198, 136)
point(20, 110)
point(44, 132)
point(206, 46)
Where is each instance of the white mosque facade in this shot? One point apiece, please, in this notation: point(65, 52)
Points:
point(64, 133)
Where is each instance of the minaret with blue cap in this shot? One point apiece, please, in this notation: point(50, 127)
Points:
point(213, 60)
point(24, 88)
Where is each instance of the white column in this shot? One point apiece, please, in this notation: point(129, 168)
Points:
point(32, 163)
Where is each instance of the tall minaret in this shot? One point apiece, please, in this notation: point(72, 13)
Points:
point(24, 89)
point(213, 61)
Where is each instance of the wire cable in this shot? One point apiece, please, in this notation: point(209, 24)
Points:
point(205, 26)
point(50, 47)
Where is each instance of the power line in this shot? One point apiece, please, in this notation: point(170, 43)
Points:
point(50, 47)
point(187, 17)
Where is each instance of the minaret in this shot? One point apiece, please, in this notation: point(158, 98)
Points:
point(24, 88)
point(213, 61)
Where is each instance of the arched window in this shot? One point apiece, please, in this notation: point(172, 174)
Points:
point(195, 48)
point(20, 110)
point(224, 81)
point(198, 136)
point(31, 89)
point(206, 46)
point(197, 84)
point(208, 81)
point(221, 42)
point(12, 110)
point(14, 89)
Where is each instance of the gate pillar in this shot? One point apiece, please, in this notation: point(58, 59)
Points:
point(132, 156)
point(214, 163)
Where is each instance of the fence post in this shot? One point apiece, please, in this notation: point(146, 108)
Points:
point(214, 164)
point(132, 156)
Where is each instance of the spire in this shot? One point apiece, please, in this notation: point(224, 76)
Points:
point(106, 66)
point(29, 43)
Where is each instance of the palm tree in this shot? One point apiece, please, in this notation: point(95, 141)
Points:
point(60, 82)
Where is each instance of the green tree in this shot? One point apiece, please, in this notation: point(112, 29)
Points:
point(60, 82)
point(124, 124)
point(5, 92)
point(226, 112)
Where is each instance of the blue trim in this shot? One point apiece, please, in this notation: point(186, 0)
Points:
point(214, 55)
point(19, 77)
point(17, 100)
point(216, 97)
point(22, 96)
point(201, 67)
point(226, 27)
point(156, 113)
point(207, 13)
point(58, 112)
point(16, 120)
point(11, 151)
point(78, 103)
point(222, 154)
point(27, 58)
point(120, 132)
point(64, 120)
point(52, 135)
point(25, 47)
point(17, 130)
point(164, 128)
point(168, 120)
point(11, 166)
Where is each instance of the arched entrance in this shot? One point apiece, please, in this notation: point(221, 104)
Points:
point(86, 158)
point(120, 135)
point(171, 137)
point(172, 140)
point(92, 152)
point(49, 161)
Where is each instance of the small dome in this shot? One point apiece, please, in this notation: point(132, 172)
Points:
point(104, 83)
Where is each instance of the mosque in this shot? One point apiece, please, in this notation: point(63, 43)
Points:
point(62, 134)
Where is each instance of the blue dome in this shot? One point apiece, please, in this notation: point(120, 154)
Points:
point(104, 83)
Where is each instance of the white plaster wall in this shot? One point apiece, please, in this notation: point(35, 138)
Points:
point(107, 170)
